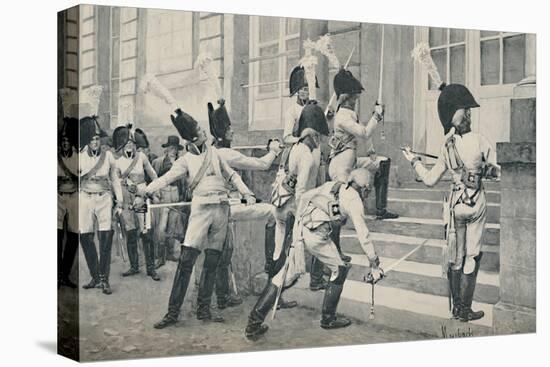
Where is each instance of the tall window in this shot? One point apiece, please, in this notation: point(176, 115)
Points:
point(502, 57)
point(275, 51)
point(169, 41)
point(115, 64)
point(448, 49)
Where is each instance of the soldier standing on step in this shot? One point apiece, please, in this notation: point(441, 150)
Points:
point(348, 133)
point(220, 128)
point(133, 166)
point(207, 174)
point(469, 158)
point(320, 210)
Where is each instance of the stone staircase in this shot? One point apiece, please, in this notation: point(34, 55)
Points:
point(413, 296)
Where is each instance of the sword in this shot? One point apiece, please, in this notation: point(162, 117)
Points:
point(380, 82)
point(122, 236)
point(369, 279)
point(288, 237)
point(420, 153)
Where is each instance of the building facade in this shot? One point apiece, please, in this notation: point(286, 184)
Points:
point(254, 55)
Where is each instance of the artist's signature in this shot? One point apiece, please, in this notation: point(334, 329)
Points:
point(455, 334)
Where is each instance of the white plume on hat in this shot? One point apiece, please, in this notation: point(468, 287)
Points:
point(207, 70)
point(421, 53)
point(69, 101)
point(309, 63)
point(89, 101)
point(150, 83)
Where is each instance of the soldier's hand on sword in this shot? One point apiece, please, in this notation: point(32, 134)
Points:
point(118, 209)
point(379, 111)
point(250, 199)
point(139, 203)
point(408, 154)
point(374, 275)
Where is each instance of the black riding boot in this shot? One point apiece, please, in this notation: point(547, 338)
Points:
point(105, 246)
point(316, 280)
point(381, 182)
point(182, 277)
point(90, 254)
point(255, 328)
point(223, 292)
point(206, 285)
point(69, 254)
point(329, 319)
point(149, 252)
point(269, 246)
point(335, 237)
point(454, 285)
point(467, 287)
point(133, 257)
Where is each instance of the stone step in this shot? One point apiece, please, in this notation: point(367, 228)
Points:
point(423, 228)
point(445, 184)
point(397, 308)
point(396, 246)
point(426, 193)
point(424, 278)
point(433, 209)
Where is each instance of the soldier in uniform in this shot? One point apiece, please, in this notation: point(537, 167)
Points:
point(67, 187)
point(321, 209)
point(297, 175)
point(220, 128)
point(469, 157)
point(170, 221)
point(298, 86)
point(133, 166)
point(348, 132)
point(99, 180)
point(207, 174)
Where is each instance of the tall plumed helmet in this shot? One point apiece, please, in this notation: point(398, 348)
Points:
point(452, 98)
point(313, 117)
point(89, 127)
point(345, 82)
point(218, 120)
point(298, 80)
point(185, 124)
point(123, 134)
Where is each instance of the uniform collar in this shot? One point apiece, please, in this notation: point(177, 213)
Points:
point(309, 142)
point(90, 154)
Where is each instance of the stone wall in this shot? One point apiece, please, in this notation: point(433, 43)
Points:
point(516, 310)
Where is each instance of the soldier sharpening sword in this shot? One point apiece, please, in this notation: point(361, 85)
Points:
point(133, 166)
